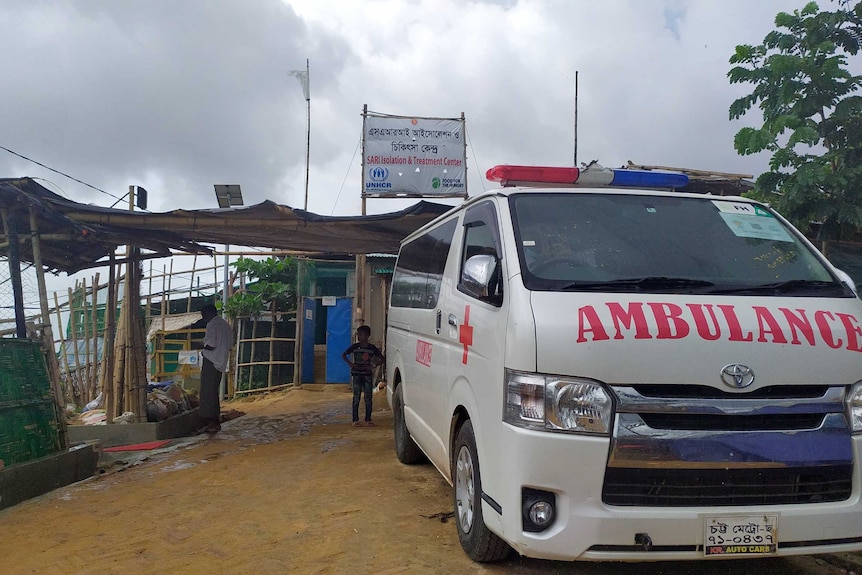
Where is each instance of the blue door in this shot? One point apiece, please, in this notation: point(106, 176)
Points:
point(309, 316)
point(339, 336)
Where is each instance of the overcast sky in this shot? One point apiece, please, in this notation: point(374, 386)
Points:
point(176, 96)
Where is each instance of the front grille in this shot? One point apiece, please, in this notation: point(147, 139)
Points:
point(704, 422)
point(725, 487)
point(706, 392)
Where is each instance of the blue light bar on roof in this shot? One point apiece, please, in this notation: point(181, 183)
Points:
point(593, 176)
point(647, 179)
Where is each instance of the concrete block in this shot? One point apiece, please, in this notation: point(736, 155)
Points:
point(181, 425)
point(24, 481)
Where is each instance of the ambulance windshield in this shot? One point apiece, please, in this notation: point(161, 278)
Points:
point(662, 244)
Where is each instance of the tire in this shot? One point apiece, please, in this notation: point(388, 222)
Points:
point(405, 448)
point(478, 542)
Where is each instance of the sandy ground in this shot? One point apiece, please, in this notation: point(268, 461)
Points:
point(290, 487)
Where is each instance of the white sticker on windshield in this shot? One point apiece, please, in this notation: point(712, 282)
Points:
point(751, 221)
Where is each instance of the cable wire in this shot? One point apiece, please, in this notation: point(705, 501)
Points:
point(345, 176)
point(61, 173)
point(475, 159)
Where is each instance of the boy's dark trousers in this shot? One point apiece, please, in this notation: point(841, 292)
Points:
point(362, 384)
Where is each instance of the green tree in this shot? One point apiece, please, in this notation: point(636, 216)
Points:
point(272, 286)
point(812, 117)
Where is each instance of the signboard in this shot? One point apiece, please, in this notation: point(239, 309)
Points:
point(189, 357)
point(414, 157)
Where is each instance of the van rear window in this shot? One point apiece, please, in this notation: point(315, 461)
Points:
point(419, 270)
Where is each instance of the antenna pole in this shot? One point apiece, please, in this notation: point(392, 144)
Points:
point(307, 132)
point(576, 118)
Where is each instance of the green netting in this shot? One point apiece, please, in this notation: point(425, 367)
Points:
point(23, 375)
point(28, 424)
point(28, 432)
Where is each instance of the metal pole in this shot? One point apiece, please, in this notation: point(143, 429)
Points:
point(359, 295)
point(308, 130)
point(576, 118)
point(362, 191)
point(466, 190)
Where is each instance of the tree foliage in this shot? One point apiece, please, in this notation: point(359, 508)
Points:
point(812, 116)
point(272, 286)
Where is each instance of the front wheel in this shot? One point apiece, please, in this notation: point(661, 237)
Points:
point(478, 542)
point(405, 448)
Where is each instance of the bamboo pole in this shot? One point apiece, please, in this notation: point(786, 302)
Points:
point(110, 331)
point(139, 375)
point(170, 279)
point(236, 355)
point(96, 363)
point(164, 304)
point(70, 395)
point(47, 333)
point(191, 285)
point(150, 295)
point(271, 346)
point(254, 326)
point(128, 399)
point(74, 328)
point(119, 365)
point(86, 328)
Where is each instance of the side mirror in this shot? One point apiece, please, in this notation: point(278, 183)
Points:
point(480, 275)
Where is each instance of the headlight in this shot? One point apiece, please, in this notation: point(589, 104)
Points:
point(553, 403)
point(854, 407)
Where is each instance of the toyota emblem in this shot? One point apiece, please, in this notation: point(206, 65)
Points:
point(737, 375)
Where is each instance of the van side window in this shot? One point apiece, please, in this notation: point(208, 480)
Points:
point(481, 238)
point(419, 270)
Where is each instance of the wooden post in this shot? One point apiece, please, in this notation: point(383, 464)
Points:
point(47, 333)
point(15, 274)
point(359, 301)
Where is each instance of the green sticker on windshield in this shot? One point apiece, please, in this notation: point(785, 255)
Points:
point(751, 221)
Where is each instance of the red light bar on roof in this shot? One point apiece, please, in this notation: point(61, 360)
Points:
point(593, 176)
point(504, 174)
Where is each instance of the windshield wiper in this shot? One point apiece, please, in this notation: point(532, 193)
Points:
point(789, 286)
point(638, 284)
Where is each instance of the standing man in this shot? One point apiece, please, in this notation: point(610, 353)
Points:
point(216, 350)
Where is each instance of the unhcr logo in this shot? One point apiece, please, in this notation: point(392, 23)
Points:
point(378, 174)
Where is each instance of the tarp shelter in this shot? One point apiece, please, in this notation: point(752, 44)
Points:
point(60, 235)
point(77, 236)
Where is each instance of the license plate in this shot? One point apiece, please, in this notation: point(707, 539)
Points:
point(740, 535)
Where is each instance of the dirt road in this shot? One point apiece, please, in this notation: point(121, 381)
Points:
point(290, 487)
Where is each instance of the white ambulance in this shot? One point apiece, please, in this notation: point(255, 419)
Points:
point(618, 373)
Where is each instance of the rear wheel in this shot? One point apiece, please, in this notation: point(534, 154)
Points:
point(478, 542)
point(405, 448)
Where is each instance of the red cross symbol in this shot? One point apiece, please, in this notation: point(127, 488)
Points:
point(465, 333)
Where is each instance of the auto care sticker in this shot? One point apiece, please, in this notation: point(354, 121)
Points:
point(751, 221)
